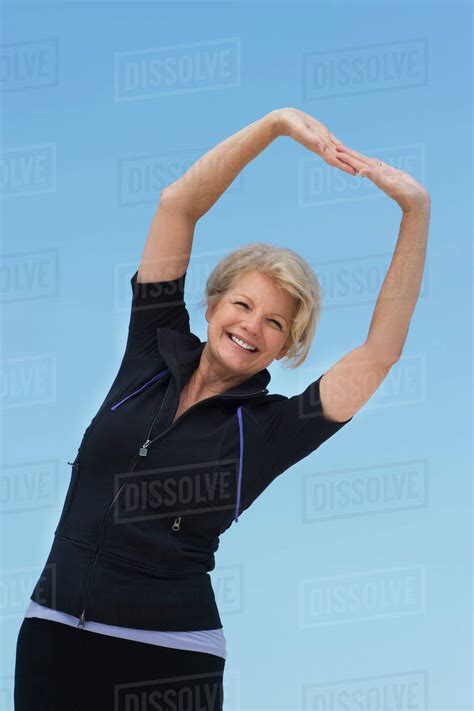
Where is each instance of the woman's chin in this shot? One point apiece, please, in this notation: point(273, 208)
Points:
point(235, 357)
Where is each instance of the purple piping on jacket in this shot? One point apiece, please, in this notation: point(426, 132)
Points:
point(241, 435)
point(241, 438)
point(155, 377)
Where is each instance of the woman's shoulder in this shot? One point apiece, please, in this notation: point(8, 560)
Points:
point(260, 407)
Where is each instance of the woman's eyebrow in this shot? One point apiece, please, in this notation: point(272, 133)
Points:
point(275, 313)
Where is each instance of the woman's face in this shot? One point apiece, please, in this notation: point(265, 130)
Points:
point(259, 313)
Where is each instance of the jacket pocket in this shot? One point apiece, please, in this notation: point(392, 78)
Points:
point(186, 541)
point(75, 469)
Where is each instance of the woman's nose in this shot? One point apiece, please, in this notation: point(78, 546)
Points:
point(252, 326)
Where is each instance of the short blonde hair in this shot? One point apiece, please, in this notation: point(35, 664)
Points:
point(289, 271)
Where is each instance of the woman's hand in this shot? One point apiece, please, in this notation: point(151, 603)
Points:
point(312, 134)
point(399, 186)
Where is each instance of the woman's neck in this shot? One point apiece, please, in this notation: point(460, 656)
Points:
point(207, 381)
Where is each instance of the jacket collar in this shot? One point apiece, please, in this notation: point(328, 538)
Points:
point(182, 352)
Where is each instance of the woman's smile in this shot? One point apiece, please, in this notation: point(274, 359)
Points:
point(232, 338)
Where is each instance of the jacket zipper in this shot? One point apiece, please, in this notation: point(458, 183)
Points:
point(102, 524)
point(144, 448)
point(94, 560)
point(143, 451)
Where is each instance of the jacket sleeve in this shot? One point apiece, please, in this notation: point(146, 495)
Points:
point(295, 427)
point(154, 305)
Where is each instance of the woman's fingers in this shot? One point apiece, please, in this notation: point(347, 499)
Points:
point(355, 163)
point(315, 136)
point(361, 163)
point(333, 159)
point(326, 145)
point(358, 160)
point(344, 167)
point(354, 154)
point(377, 166)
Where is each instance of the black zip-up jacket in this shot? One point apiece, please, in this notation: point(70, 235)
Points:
point(148, 500)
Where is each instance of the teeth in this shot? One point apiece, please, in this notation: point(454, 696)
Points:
point(241, 343)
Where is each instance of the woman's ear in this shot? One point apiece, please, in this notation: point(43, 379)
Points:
point(283, 351)
point(210, 311)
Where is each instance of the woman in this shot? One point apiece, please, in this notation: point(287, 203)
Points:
point(188, 437)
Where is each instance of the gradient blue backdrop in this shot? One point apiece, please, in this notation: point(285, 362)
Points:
point(72, 235)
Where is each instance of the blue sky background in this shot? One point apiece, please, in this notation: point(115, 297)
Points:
point(90, 136)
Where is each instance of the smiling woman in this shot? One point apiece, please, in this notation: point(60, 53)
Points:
point(274, 294)
point(182, 411)
point(243, 344)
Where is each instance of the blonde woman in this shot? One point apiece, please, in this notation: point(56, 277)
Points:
point(188, 436)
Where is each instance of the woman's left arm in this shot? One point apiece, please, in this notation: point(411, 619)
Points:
point(351, 381)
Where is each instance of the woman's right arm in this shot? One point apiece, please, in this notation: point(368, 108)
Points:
point(169, 242)
point(168, 246)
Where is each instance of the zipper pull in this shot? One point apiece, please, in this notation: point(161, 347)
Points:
point(82, 619)
point(143, 451)
point(176, 524)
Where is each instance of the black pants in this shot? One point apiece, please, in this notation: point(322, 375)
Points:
point(64, 668)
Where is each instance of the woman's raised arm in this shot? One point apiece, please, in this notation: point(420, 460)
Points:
point(350, 382)
point(168, 246)
point(169, 242)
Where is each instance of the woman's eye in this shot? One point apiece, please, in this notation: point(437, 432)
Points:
point(272, 319)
